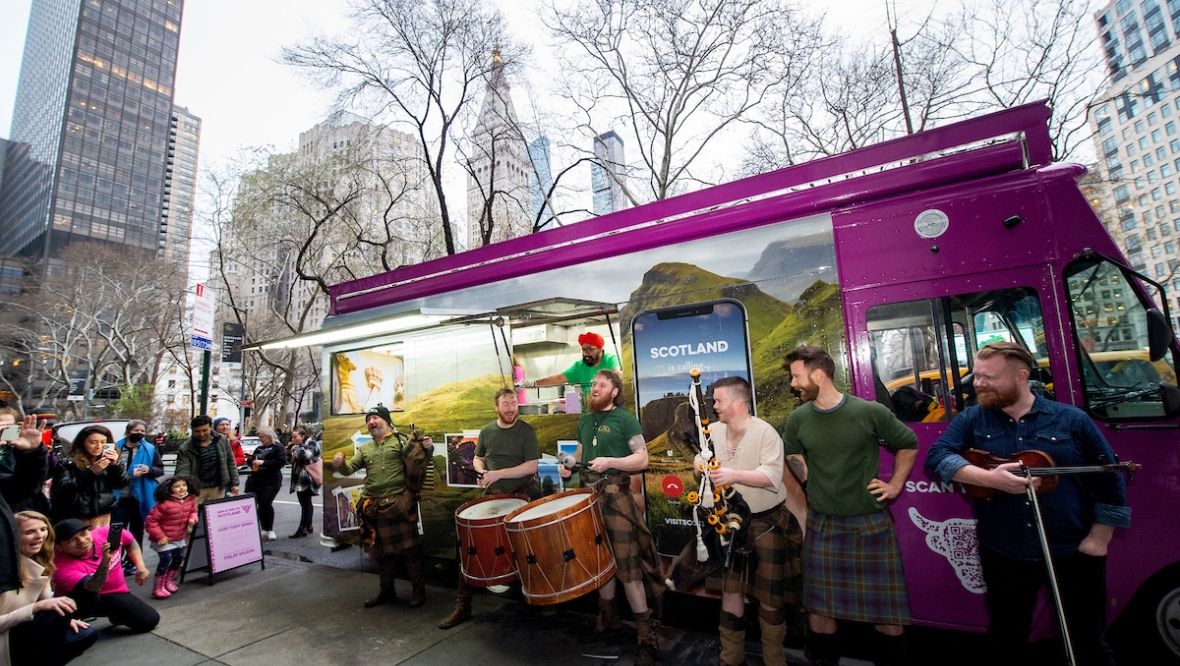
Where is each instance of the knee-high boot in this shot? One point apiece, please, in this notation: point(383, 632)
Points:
point(385, 571)
point(733, 639)
point(413, 560)
point(774, 632)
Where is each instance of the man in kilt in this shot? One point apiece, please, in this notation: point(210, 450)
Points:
point(610, 441)
point(506, 455)
point(388, 506)
point(852, 565)
point(750, 457)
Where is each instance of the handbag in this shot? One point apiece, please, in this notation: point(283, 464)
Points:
point(316, 471)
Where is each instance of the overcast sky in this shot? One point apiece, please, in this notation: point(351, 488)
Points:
point(228, 75)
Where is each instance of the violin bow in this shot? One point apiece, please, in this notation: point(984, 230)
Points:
point(1031, 493)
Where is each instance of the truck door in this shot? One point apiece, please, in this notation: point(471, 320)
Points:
point(913, 347)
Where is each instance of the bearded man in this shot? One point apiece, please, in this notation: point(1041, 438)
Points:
point(583, 371)
point(610, 441)
point(1079, 516)
point(851, 562)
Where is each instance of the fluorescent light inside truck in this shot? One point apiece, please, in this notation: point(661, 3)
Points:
point(355, 332)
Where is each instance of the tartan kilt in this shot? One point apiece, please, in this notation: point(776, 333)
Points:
point(853, 570)
point(390, 524)
point(630, 539)
point(772, 572)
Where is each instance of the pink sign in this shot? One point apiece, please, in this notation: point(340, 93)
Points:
point(232, 529)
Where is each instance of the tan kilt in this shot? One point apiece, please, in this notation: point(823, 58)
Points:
point(630, 539)
point(772, 572)
point(389, 524)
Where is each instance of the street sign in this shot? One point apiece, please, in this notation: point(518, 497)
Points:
point(247, 403)
point(78, 379)
point(232, 334)
point(203, 319)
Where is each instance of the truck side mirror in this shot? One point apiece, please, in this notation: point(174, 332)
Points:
point(1170, 396)
point(1159, 334)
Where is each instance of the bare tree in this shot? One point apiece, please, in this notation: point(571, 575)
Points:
point(412, 63)
point(675, 73)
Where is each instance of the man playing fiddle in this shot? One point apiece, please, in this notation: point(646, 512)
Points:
point(1079, 516)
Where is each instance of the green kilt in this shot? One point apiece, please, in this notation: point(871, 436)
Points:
point(390, 524)
point(853, 570)
point(772, 572)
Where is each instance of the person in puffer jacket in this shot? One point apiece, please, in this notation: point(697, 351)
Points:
point(167, 527)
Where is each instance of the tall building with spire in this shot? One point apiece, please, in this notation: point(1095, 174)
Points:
point(88, 151)
point(499, 173)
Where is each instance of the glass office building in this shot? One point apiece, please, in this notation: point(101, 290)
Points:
point(88, 149)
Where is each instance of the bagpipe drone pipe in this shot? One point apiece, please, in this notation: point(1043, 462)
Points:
point(720, 516)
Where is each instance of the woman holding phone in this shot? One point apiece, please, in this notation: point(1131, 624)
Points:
point(85, 481)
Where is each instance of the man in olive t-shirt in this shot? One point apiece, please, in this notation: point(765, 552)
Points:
point(506, 459)
point(852, 564)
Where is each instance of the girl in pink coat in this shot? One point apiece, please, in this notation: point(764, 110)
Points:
point(167, 527)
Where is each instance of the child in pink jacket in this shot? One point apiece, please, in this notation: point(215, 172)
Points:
point(167, 527)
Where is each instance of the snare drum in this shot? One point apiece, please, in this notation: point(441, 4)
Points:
point(485, 554)
point(561, 547)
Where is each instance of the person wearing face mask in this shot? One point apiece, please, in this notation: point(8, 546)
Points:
point(143, 463)
point(85, 482)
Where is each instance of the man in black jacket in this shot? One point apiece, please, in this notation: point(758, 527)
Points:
point(208, 458)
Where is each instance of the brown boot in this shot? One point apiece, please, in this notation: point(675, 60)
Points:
point(388, 593)
point(772, 643)
point(462, 611)
point(733, 639)
point(417, 578)
point(608, 617)
point(648, 639)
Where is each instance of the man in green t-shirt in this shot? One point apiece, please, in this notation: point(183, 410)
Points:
point(582, 372)
point(852, 564)
point(506, 455)
point(388, 506)
point(611, 444)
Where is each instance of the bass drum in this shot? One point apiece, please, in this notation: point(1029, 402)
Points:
point(485, 554)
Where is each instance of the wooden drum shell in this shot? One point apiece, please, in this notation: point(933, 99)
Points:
point(485, 552)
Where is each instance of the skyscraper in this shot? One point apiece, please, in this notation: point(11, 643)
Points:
point(604, 174)
point(180, 184)
point(498, 170)
point(1136, 129)
point(542, 180)
point(88, 150)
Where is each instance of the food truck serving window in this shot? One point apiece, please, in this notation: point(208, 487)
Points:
point(1120, 380)
point(923, 350)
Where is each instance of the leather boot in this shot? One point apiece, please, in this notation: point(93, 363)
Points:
point(888, 650)
point(170, 581)
point(417, 577)
point(608, 617)
point(772, 643)
point(462, 611)
point(647, 643)
point(733, 639)
point(388, 593)
point(821, 649)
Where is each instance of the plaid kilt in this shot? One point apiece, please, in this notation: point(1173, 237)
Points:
point(852, 569)
point(389, 524)
point(630, 539)
point(773, 571)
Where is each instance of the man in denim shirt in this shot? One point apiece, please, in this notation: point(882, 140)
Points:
point(1079, 516)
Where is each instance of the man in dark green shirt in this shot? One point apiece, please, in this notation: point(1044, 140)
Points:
point(852, 564)
point(611, 444)
point(388, 506)
point(506, 457)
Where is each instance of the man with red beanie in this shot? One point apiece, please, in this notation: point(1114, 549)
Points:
point(582, 372)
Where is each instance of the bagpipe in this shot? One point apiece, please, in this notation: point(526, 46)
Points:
point(720, 515)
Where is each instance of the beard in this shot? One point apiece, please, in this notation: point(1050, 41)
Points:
point(602, 403)
point(589, 360)
point(509, 418)
point(808, 393)
point(997, 399)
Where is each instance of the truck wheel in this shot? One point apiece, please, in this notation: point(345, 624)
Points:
point(1167, 618)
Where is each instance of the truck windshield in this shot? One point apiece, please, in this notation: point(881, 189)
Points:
point(1120, 381)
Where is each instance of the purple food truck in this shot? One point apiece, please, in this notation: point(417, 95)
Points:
point(901, 259)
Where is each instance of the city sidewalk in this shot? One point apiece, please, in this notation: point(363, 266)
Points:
point(296, 613)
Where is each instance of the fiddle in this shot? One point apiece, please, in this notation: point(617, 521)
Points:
point(1038, 464)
